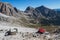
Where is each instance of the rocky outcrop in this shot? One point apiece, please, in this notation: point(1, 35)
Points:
point(29, 9)
point(8, 9)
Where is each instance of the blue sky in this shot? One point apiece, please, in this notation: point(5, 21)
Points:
point(22, 4)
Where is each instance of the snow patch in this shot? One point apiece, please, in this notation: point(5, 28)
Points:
point(3, 15)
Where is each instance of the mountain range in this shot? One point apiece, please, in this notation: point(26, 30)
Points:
point(44, 15)
point(40, 15)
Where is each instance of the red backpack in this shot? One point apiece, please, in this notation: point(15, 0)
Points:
point(42, 30)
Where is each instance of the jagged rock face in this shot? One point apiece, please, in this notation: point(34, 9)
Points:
point(41, 12)
point(29, 9)
point(46, 12)
point(7, 9)
point(15, 15)
point(45, 15)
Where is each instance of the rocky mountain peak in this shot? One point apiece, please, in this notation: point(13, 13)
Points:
point(29, 9)
point(7, 9)
point(42, 6)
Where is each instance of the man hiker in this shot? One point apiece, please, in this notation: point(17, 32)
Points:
point(8, 33)
point(41, 31)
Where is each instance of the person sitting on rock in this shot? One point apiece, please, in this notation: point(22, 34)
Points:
point(41, 31)
point(8, 33)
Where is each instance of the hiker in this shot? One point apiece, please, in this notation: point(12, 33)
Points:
point(41, 31)
point(8, 33)
point(11, 32)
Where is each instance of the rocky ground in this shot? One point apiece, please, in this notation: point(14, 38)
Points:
point(28, 36)
point(24, 33)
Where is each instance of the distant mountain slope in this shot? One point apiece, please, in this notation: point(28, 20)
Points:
point(11, 14)
point(57, 9)
point(44, 15)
